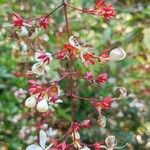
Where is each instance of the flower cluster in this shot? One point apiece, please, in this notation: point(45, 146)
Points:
point(18, 21)
point(43, 59)
point(44, 96)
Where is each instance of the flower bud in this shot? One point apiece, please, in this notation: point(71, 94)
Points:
point(42, 106)
point(110, 141)
point(117, 54)
point(101, 121)
point(30, 102)
point(121, 92)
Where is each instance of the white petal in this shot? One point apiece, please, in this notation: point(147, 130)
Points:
point(30, 102)
point(117, 54)
point(74, 42)
point(42, 138)
point(37, 54)
point(38, 69)
point(34, 147)
point(42, 106)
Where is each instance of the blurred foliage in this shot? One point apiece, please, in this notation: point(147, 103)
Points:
point(130, 30)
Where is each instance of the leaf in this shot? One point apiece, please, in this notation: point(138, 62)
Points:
point(42, 138)
point(34, 147)
point(146, 38)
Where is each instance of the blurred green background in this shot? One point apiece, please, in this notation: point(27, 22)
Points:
point(128, 120)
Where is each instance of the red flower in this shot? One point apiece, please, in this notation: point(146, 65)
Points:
point(17, 21)
point(67, 51)
point(88, 59)
point(97, 146)
point(101, 9)
point(85, 123)
point(61, 54)
point(104, 56)
point(44, 22)
point(104, 103)
point(102, 78)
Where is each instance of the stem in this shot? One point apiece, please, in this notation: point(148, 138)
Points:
point(70, 64)
point(66, 17)
point(46, 15)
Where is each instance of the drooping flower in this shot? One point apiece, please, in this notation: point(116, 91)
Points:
point(111, 141)
point(42, 106)
point(30, 102)
point(44, 22)
point(17, 20)
point(105, 103)
point(42, 142)
point(102, 78)
point(117, 54)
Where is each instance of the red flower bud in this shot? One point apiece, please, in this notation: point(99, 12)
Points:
point(97, 146)
point(85, 123)
point(102, 78)
point(104, 103)
point(44, 22)
point(17, 21)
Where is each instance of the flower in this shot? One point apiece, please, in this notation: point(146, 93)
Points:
point(117, 54)
point(42, 142)
point(17, 20)
point(44, 22)
point(110, 141)
point(88, 59)
point(42, 57)
point(51, 132)
point(104, 103)
point(85, 123)
point(121, 92)
point(39, 69)
point(101, 121)
point(30, 102)
point(68, 52)
point(102, 78)
point(102, 9)
point(42, 106)
point(104, 56)
point(97, 146)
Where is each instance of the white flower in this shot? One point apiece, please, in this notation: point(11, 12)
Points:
point(42, 106)
point(74, 42)
point(42, 57)
point(117, 54)
point(51, 132)
point(42, 142)
point(30, 102)
point(39, 69)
